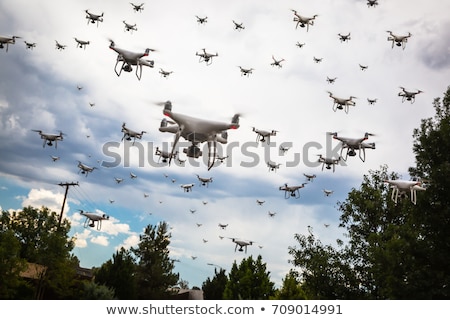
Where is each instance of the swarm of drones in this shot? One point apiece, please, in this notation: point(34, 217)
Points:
point(197, 131)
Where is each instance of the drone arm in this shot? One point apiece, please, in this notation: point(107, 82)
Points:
point(177, 137)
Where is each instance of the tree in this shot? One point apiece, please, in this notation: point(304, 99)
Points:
point(213, 288)
point(291, 288)
point(43, 241)
point(431, 147)
point(118, 273)
point(249, 281)
point(154, 272)
point(10, 262)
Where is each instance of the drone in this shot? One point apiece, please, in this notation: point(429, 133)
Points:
point(221, 159)
point(401, 187)
point(93, 18)
point(49, 138)
point(137, 7)
point(271, 214)
point(133, 176)
point(187, 187)
point(342, 103)
point(85, 169)
point(300, 45)
point(399, 41)
point(352, 144)
point(197, 131)
point(362, 67)
point(246, 72)
point(291, 191)
point(331, 80)
point(192, 211)
point(372, 3)
point(205, 181)
point(344, 37)
point(241, 244)
point(198, 225)
point(310, 177)
point(327, 192)
point(81, 43)
point(206, 57)
point(91, 218)
point(7, 41)
point(129, 27)
point(165, 155)
point(60, 46)
point(164, 74)
point(273, 166)
point(371, 101)
point(260, 202)
point(329, 162)
point(55, 158)
point(303, 21)
point(118, 180)
point(129, 59)
point(238, 26)
point(128, 134)
point(223, 226)
point(283, 149)
point(317, 60)
point(263, 135)
point(30, 45)
point(202, 20)
point(276, 62)
point(408, 95)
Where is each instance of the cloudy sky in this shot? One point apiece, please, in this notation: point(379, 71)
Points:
point(38, 91)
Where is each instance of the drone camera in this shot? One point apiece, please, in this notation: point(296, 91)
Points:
point(193, 151)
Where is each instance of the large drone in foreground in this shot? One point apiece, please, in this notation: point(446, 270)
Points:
point(196, 131)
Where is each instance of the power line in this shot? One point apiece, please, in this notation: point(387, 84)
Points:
point(67, 185)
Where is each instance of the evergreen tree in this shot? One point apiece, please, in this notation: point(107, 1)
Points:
point(118, 273)
point(291, 288)
point(249, 281)
point(213, 288)
point(154, 273)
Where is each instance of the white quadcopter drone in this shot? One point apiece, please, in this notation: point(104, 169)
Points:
point(196, 131)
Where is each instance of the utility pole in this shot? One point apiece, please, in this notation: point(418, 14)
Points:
point(67, 185)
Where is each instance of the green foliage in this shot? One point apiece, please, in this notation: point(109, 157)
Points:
point(249, 281)
point(94, 291)
point(43, 242)
point(118, 274)
point(291, 288)
point(10, 263)
point(154, 273)
point(213, 288)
